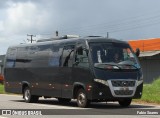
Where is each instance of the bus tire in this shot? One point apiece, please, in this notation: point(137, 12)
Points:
point(125, 102)
point(28, 97)
point(82, 100)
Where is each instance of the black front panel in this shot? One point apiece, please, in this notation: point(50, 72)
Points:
point(115, 74)
point(101, 91)
point(115, 84)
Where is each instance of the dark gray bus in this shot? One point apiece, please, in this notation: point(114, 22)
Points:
point(91, 69)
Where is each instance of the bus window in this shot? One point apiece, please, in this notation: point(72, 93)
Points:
point(21, 58)
point(81, 58)
point(67, 55)
point(54, 56)
point(11, 57)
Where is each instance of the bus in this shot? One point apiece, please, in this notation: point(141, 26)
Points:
point(89, 69)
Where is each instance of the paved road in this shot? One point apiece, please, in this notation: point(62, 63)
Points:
point(52, 106)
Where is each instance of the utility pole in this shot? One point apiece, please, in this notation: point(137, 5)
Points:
point(107, 34)
point(31, 35)
point(56, 33)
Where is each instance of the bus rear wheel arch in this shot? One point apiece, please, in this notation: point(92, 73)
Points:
point(28, 97)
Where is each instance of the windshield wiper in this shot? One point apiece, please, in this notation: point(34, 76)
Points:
point(115, 66)
point(128, 63)
point(131, 65)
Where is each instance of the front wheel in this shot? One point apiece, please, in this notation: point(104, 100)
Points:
point(28, 97)
point(82, 100)
point(125, 102)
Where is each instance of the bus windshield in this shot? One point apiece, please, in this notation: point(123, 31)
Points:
point(113, 56)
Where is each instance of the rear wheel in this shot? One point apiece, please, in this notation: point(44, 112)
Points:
point(125, 102)
point(82, 100)
point(28, 97)
point(64, 100)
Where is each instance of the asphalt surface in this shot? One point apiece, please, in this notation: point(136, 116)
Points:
point(48, 107)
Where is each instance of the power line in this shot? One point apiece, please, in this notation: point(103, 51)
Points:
point(120, 23)
point(136, 27)
point(124, 24)
point(118, 20)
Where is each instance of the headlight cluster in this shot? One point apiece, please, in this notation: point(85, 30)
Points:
point(139, 82)
point(101, 81)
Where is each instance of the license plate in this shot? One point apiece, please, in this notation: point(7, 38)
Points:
point(124, 88)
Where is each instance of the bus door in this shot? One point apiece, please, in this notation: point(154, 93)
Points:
point(66, 71)
point(81, 67)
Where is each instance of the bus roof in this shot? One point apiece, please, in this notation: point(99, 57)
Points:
point(88, 39)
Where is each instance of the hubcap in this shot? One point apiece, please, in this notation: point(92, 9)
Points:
point(27, 95)
point(81, 98)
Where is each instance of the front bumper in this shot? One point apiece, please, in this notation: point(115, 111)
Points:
point(107, 90)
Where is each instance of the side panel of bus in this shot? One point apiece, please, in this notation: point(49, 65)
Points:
point(48, 69)
point(11, 72)
point(44, 70)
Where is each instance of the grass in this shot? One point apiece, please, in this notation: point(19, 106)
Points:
point(2, 89)
point(151, 93)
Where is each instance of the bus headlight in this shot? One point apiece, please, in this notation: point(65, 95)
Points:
point(101, 81)
point(141, 78)
point(139, 82)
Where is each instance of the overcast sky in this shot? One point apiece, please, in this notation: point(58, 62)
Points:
point(123, 19)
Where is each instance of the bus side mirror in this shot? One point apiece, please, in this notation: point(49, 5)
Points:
point(137, 52)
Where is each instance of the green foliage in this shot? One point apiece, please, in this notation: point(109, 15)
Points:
point(151, 92)
point(1, 89)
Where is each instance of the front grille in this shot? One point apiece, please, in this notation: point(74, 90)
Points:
point(123, 83)
point(123, 92)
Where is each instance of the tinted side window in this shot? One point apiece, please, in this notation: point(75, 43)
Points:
point(21, 56)
point(81, 56)
point(55, 54)
point(43, 52)
point(32, 50)
point(39, 55)
point(67, 57)
point(11, 57)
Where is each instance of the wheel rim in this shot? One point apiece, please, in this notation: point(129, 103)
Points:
point(27, 95)
point(81, 98)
